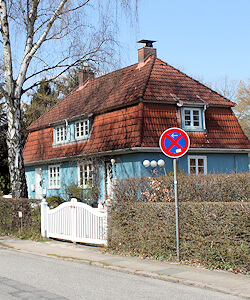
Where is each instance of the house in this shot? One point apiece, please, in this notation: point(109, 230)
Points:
point(112, 123)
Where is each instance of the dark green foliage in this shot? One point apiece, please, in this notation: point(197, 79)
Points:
point(10, 224)
point(214, 220)
point(42, 100)
point(54, 201)
point(87, 195)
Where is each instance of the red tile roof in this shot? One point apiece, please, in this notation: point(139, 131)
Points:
point(131, 107)
point(153, 80)
point(114, 130)
point(122, 129)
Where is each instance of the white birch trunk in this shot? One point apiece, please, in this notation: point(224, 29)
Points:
point(14, 138)
point(15, 147)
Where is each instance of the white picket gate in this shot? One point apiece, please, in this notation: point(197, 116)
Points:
point(74, 221)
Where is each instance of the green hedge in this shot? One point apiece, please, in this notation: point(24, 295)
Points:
point(214, 220)
point(10, 224)
point(216, 235)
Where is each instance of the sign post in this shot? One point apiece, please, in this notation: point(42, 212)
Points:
point(174, 143)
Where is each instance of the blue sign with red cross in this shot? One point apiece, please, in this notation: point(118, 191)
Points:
point(174, 142)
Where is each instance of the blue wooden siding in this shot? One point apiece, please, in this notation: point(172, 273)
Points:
point(130, 165)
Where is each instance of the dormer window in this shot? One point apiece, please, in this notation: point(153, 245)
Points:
point(193, 118)
point(60, 134)
point(81, 129)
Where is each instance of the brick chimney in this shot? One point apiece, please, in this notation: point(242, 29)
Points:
point(85, 75)
point(146, 51)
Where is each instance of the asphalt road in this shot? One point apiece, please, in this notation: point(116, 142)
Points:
point(27, 276)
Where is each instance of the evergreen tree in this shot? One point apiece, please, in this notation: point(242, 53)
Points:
point(42, 100)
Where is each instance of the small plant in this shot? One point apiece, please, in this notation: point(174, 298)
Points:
point(54, 201)
point(85, 195)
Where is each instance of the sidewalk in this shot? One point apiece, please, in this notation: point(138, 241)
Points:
point(226, 282)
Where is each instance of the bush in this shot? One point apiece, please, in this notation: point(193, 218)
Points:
point(87, 195)
point(214, 219)
point(10, 224)
point(200, 188)
point(54, 201)
point(215, 235)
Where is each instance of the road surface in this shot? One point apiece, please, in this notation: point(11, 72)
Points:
point(28, 276)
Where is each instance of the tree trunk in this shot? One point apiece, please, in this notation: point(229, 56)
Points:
point(15, 148)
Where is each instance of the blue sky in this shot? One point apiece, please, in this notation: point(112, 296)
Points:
point(208, 39)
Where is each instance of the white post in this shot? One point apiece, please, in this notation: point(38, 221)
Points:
point(73, 219)
point(44, 217)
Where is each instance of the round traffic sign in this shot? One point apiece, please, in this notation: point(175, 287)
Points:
point(174, 142)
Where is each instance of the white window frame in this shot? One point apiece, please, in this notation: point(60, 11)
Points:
point(192, 120)
point(196, 158)
point(85, 174)
point(60, 134)
point(54, 174)
point(82, 129)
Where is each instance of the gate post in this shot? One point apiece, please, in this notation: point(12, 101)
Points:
point(44, 218)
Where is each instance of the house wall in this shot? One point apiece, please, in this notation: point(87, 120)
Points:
point(219, 162)
point(131, 165)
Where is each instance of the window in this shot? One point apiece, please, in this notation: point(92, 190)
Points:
point(192, 118)
point(60, 134)
point(54, 177)
point(81, 129)
point(85, 176)
point(197, 164)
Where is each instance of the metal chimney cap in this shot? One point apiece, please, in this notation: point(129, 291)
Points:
point(148, 43)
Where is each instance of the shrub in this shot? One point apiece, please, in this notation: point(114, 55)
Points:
point(54, 201)
point(214, 219)
point(87, 195)
point(10, 224)
point(200, 188)
point(213, 234)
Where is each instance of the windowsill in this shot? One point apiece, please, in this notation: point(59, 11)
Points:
point(60, 143)
point(54, 188)
point(82, 138)
point(68, 143)
point(194, 129)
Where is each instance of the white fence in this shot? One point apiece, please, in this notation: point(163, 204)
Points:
point(74, 221)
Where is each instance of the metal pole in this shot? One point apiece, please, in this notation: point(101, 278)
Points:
point(176, 209)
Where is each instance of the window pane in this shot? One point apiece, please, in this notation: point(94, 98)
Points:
point(200, 162)
point(192, 170)
point(192, 118)
point(192, 162)
point(200, 170)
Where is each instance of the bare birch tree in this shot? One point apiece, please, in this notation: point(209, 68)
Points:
point(49, 37)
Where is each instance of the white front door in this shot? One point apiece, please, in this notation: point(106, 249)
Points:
point(38, 179)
